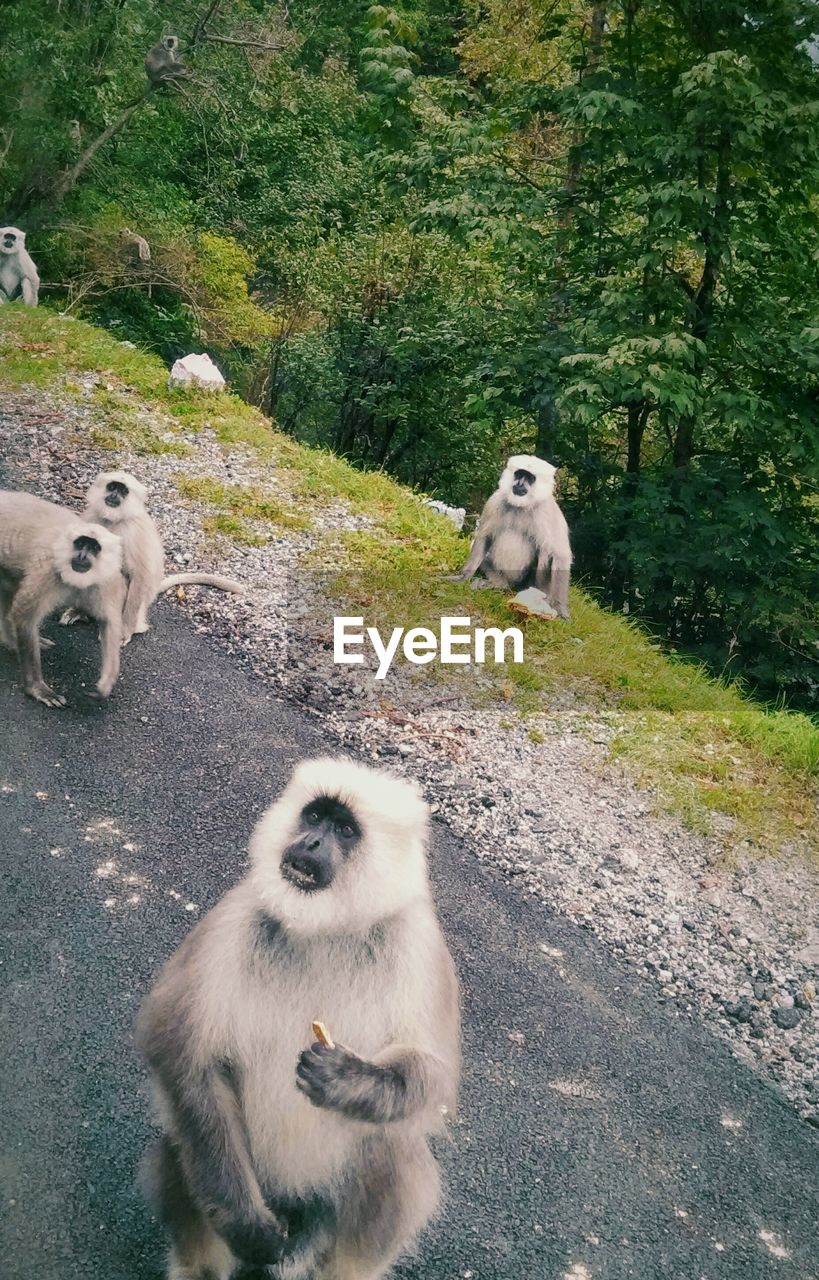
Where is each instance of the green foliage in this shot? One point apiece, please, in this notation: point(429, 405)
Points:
point(649, 190)
point(426, 235)
point(382, 381)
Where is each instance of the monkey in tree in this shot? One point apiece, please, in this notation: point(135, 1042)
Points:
point(163, 63)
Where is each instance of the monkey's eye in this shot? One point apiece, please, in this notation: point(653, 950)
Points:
point(312, 817)
point(346, 829)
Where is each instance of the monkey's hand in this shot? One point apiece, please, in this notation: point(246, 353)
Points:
point(259, 1241)
point(458, 577)
point(41, 692)
point(341, 1081)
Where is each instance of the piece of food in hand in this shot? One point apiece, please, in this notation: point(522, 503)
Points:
point(322, 1034)
point(534, 603)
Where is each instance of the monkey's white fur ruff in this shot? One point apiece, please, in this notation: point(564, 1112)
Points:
point(390, 867)
point(95, 499)
point(108, 563)
point(543, 472)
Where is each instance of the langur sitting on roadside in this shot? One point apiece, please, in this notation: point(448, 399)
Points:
point(522, 539)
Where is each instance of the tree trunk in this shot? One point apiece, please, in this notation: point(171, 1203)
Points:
point(714, 238)
point(69, 179)
point(637, 419)
point(546, 424)
point(548, 416)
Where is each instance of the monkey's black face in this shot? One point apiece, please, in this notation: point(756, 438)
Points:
point(85, 554)
point(115, 493)
point(328, 834)
point(9, 241)
point(522, 483)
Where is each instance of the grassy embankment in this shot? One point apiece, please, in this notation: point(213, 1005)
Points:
point(703, 747)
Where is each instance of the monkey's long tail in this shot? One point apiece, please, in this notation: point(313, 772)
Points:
point(202, 580)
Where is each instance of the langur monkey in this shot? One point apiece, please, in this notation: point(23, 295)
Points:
point(311, 1159)
point(19, 280)
point(49, 558)
point(116, 500)
point(162, 62)
point(522, 539)
point(135, 247)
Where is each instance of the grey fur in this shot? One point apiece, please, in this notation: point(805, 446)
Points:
point(19, 280)
point(523, 542)
point(162, 62)
point(36, 578)
point(313, 1161)
point(143, 556)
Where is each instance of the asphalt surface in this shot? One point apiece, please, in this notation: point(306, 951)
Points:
point(600, 1135)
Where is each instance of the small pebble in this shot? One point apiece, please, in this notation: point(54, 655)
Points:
point(786, 1018)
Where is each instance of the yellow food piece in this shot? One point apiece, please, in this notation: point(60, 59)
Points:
point(322, 1034)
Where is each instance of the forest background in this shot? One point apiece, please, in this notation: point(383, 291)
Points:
point(427, 236)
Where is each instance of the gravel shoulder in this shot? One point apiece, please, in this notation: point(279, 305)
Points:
point(737, 946)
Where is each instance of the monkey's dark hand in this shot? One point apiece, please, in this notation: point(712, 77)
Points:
point(259, 1240)
point(457, 577)
point(341, 1081)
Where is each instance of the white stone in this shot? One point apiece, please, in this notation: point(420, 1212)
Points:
point(534, 602)
point(197, 371)
point(456, 514)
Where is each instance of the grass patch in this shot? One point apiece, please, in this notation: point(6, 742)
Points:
point(228, 526)
point(238, 503)
point(707, 750)
point(123, 426)
point(38, 347)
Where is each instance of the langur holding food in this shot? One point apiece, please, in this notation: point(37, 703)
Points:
point(290, 1144)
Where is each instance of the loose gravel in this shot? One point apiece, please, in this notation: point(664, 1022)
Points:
point(738, 946)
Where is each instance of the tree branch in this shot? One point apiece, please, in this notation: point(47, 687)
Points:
point(201, 23)
point(243, 43)
point(69, 178)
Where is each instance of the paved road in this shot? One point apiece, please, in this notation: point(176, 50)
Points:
point(598, 1139)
